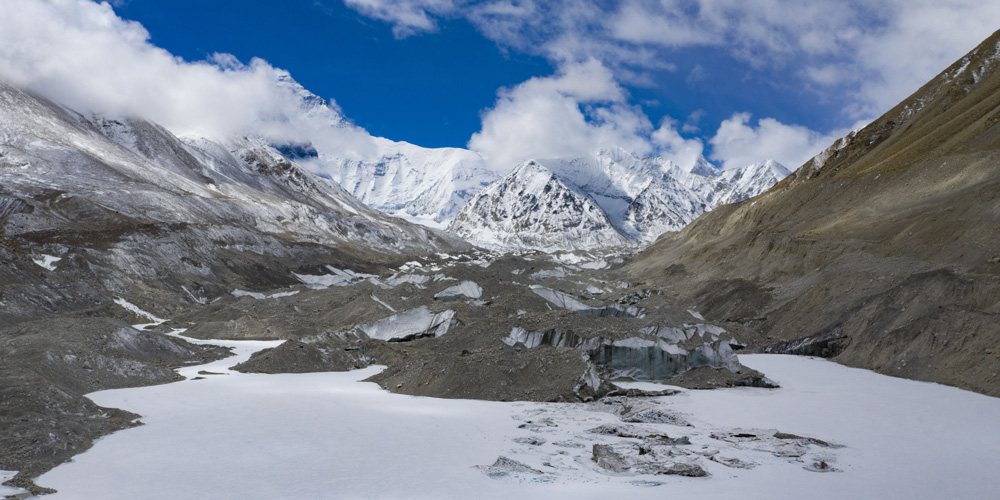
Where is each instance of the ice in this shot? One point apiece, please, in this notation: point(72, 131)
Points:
point(46, 261)
point(410, 324)
point(154, 321)
point(569, 258)
point(418, 280)
point(261, 296)
point(559, 272)
point(339, 277)
point(410, 266)
point(633, 357)
point(317, 435)
point(669, 333)
point(387, 306)
point(560, 299)
point(466, 289)
point(647, 386)
point(197, 299)
point(596, 264)
point(567, 301)
point(696, 315)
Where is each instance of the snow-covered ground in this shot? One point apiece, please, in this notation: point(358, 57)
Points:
point(327, 435)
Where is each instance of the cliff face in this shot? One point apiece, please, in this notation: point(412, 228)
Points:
point(881, 252)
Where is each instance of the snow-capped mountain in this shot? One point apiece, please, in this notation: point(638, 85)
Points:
point(531, 207)
point(639, 198)
point(133, 172)
point(423, 185)
point(614, 198)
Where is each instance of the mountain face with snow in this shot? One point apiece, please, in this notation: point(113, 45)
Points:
point(94, 181)
point(425, 185)
point(613, 199)
point(622, 199)
point(531, 207)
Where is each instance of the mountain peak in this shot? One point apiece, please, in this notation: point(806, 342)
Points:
point(625, 198)
point(701, 166)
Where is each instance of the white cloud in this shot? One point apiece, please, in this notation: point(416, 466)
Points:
point(81, 54)
point(671, 27)
point(738, 143)
point(924, 37)
point(671, 145)
point(869, 54)
point(408, 17)
point(572, 113)
point(697, 75)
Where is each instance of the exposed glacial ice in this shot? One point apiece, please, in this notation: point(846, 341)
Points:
point(640, 357)
point(465, 289)
point(382, 303)
point(410, 324)
point(564, 300)
point(261, 296)
point(339, 277)
point(46, 261)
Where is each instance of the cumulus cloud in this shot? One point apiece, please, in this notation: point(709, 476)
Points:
point(738, 143)
point(572, 113)
point(81, 54)
point(671, 145)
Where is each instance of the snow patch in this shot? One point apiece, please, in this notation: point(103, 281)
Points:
point(46, 261)
point(134, 309)
point(262, 296)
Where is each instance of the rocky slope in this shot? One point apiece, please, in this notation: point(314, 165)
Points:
point(614, 199)
point(881, 252)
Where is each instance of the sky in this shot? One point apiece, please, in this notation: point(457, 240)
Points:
point(736, 81)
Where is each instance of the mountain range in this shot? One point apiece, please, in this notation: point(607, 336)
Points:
point(613, 199)
point(625, 200)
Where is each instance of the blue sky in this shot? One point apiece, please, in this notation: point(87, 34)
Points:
point(733, 80)
point(429, 88)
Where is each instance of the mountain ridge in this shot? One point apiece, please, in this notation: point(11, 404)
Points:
point(637, 198)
